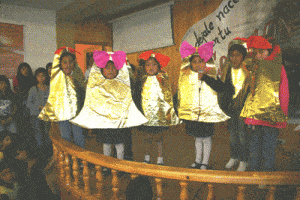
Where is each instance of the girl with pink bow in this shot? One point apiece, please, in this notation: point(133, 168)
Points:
point(198, 105)
point(108, 106)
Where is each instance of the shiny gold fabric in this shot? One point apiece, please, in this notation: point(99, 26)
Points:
point(197, 104)
point(108, 102)
point(264, 103)
point(238, 78)
point(157, 101)
point(63, 102)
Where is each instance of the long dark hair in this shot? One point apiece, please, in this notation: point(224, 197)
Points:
point(41, 70)
point(25, 82)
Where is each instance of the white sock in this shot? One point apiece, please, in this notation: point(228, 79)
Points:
point(160, 160)
point(206, 149)
point(120, 150)
point(107, 149)
point(198, 149)
point(230, 163)
point(147, 158)
point(242, 166)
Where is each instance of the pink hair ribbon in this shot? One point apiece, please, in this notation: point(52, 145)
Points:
point(102, 57)
point(205, 51)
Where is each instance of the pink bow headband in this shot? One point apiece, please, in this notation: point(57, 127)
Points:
point(205, 51)
point(102, 57)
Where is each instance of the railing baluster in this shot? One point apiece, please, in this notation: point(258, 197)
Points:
point(241, 194)
point(184, 190)
point(61, 164)
point(86, 178)
point(133, 176)
point(67, 169)
point(55, 152)
point(159, 191)
point(271, 195)
point(210, 194)
point(115, 184)
point(99, 184)
point(75, 172)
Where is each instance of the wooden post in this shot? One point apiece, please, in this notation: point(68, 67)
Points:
point(67, 169)
point(75, 172)
point(210, 195)
point(86, 178)
point(99, 183)
point(298, 194)
point(184, 190)
point(115, 184)
point(271, 195)
point(61, 165)
point(159, 191)
point(133, 176)
point(241, 194)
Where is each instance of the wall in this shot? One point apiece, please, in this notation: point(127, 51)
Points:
point(185, 14)
point(90, 32)
point(39, 32)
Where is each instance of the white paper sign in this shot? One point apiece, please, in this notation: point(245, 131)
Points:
point(233, 18)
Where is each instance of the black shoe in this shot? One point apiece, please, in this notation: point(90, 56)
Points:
point(207, 167)
point(195, 166)
point(147, 162)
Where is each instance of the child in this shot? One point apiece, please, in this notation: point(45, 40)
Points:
point(198, 105)
point(232, 91)
point(108, 105)
point(155, 101)
point(23, 82)
point(67, 91)
point(37, 99)
point(8, 106)
point(266, 106)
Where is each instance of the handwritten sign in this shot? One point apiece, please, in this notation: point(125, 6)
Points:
point(233, 18)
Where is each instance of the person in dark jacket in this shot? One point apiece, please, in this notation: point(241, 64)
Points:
point(232, 91)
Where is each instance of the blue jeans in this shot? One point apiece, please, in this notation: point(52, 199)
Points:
point(238, 139)
point(67, 130)
point(41, 132)
point(262, 144)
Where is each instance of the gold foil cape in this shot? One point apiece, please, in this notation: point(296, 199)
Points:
point(264, 104)
point(108, 102)
point(157, 101)
point(63, 102)
point(194, 104)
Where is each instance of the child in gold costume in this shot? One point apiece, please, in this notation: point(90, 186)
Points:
point(198, 104)
point(266, 106)
point(108, 106)
point(66, 97)
point(155, 100)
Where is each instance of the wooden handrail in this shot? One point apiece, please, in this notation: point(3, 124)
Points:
point(178, 173)
point(65, 151)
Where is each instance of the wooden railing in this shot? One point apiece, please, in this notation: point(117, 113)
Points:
point(79, 183)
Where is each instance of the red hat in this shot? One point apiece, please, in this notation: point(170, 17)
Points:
point(162, 59)
point(58, 51)
point(258, 42)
